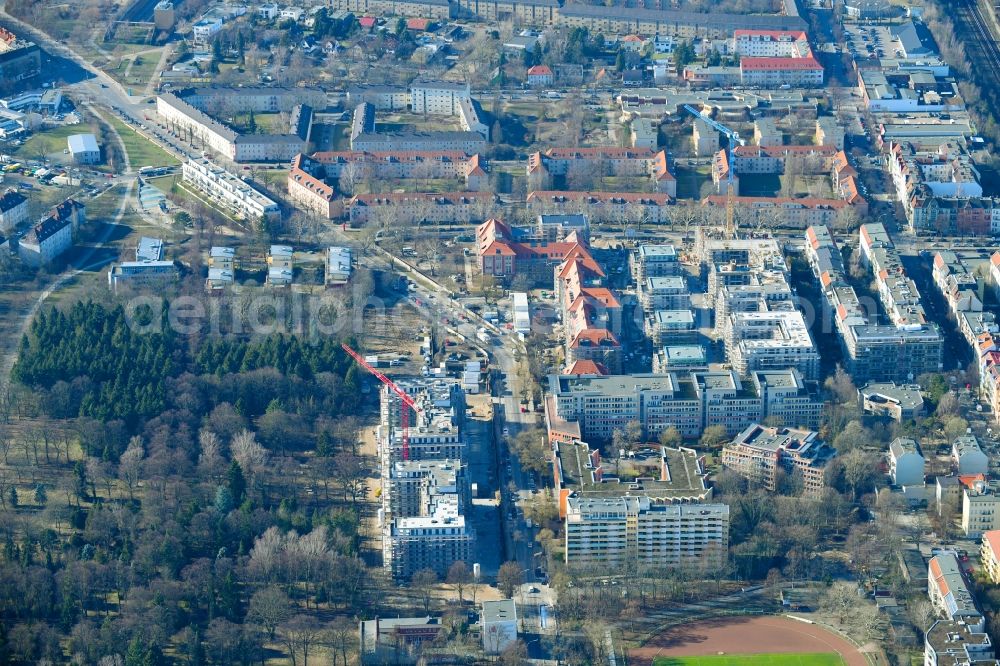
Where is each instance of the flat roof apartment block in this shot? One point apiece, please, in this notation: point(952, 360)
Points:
point(760, 452)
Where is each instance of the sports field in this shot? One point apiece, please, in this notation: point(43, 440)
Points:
point(747, 641)
point(783, 659)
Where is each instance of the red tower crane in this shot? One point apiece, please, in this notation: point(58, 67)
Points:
point(404, 413)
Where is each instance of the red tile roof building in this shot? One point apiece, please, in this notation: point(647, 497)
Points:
point(592, 163)
point(635, 207)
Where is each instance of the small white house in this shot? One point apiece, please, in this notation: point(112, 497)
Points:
point(906, 463)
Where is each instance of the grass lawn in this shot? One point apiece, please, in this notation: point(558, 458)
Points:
point(789, 659)
point(47, 142)
point(141, 152)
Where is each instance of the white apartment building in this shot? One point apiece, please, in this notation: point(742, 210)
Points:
point(770, 341)
point(906, 463)
point(688, 401)
point(968, 457)
point(13, 210)
point(190, 123)
point(138, 274)
point(634, 532)
point(955, 643)
point(949, 591)
point(46, 241)
point(230, 193)
point(980, 508)
point(439, 98)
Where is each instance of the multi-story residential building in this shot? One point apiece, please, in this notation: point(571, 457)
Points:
point(13, 210)
point(675, 326)
point(503, 251)
point(770, 341)
point(53, 235)
point(630, 207)
point(432, 542)
point(439, 98)
point(435, 432)
point(872, 352)
point(591, 313)
point(425, 485)
point(958, 285)
point(311, 193)
point(192, 124)
point(968, 457)
point(940, 189)
point(766, 133)
point(949, 591)
point(557, 228)
point(898, 293)
point(705, 138)
point(906, 462)
point(951, 643)
point(594, 163)
point(787, 211)
point(232, 194)
point(771, 43)
point(633, 533)
point(765, 291)
point(524, 12)
point(761, 454)
point(829, 132)
point(980, 508)
point(409, 207)
point(307, 179)
point(737, 261)
point(769, 160)
point(989, 555)
point(595, 406)
point(899, 402)
point(611, 20)
point(774, 72)
point(678, 358)
point(787, 398)
point(432, 9)
point(669, 292)
point(411, 487)
point(659, 517)
point(259, 99)
point(651, 261)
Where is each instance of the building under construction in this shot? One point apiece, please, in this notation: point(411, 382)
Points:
point(425, 483)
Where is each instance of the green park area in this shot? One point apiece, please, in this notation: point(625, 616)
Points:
point(785, 659)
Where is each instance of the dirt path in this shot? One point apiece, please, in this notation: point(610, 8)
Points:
point(746, 635)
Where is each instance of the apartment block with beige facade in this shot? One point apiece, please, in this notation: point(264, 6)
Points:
point(762, 453)
point(990, 555)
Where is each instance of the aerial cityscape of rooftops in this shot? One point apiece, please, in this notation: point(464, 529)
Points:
point(512, 332)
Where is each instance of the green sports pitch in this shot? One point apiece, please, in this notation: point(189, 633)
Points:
point(783, 659)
